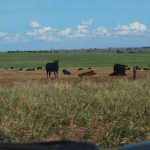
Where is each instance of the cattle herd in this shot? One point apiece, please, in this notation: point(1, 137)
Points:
point(118, 70)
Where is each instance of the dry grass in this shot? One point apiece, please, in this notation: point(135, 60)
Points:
point(107, 111)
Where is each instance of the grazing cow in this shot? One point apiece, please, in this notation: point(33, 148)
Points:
point(80, 69)
point(89, 68)
point(39, 68)
point(89, 73)
point(11, 67)
point(66, 72)
point(20, 69)
point(52, 67)
point(119, 70)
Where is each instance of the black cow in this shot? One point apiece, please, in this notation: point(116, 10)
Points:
point(119, 70)
point(138, 68)
point(52, 67)
point(80, 69)
point(128, 68)
point(20, 69)
point(146, 68)
point(30, 69)
point(39, 68)
point(66, 72)
point(89, 68)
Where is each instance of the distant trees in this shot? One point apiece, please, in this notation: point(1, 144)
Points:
point(118, 51)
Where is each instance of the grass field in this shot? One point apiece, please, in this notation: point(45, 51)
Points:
point(74, 59)
point(106, 111)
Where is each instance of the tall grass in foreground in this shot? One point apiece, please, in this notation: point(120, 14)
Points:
point(109, 114)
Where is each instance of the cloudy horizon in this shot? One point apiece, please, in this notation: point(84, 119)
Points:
point(40, 25)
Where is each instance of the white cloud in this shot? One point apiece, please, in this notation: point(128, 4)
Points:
point(43, 34)
point(132, 29)
point(46, 38)
point(3, 34)
point(8, 38)
point(40, 31)
point(32, 33)
point(44, 29)
point(65, 32)
point(82, 29)
point(101, 31)
point(34, 24)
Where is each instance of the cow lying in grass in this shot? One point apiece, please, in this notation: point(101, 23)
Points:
point(146, 68)
point(89, 73)
point(39, 68)
point(127, 68)
point(80, 69)
point(30, 69)
point(138, 68)
point(66, 72)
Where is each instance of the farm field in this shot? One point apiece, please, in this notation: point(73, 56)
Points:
point(107, 111)
point(74, 59)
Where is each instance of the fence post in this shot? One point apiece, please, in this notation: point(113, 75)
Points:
point(134, 72)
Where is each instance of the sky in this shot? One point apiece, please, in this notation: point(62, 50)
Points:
point(73, 24)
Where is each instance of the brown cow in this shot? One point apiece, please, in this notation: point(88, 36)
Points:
point(89, 73)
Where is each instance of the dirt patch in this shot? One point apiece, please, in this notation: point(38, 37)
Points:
point(12, 78)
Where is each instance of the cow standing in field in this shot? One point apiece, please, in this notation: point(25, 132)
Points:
point(89, 73)
point(52, 67)
point(66, 72)
point(119, 70)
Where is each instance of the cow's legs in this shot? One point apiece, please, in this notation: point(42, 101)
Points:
point(55, 74)
point(47, 73)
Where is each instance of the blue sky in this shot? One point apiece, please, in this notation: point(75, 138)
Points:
point(73, 24)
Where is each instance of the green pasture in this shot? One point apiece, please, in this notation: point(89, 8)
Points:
point(73, 59)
